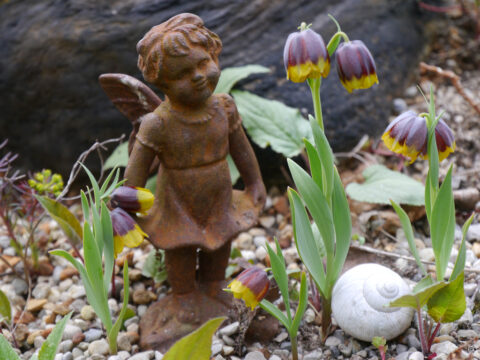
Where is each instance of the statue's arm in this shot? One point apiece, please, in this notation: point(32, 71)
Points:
point(145, 148)
point(138, 166)
point(245, 160)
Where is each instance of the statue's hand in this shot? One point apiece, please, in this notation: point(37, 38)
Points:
point(257, 194)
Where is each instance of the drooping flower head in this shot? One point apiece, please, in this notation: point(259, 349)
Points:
point(126, 232)
point(305, 56)
point(408, 135)
point(355, 66)
point(251, 285)
point(132, 199)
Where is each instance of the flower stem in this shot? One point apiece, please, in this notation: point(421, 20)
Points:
point(432, 337)
point(293, 339)
point(326, 317)
point(336, 36)
point(421, 332)
point(314, 85)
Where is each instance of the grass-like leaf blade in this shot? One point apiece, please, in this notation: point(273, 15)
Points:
point(305, 241)
point(5, 308)
point(196, 345)
point(275, 312)
point(442, 226)
point(462, 252)
point(407, 228)
point(302, 305)
point(6, 350)
point(49, 347)
point(280, 274)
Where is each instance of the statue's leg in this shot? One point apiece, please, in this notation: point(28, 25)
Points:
point(211, 273)
point(180, 312)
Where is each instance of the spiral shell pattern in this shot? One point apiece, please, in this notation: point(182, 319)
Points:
point(360, 302)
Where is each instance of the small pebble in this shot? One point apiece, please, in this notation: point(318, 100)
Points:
point(216, 347)
point(99, 347)
point(67, 356)
point(255, 355)
point(92, 335)
point(466, 334)
point(417, 355)
point(315, 355)
point(309, 316)
point(146, 355)
point(399, 106)
point(332, 341)
point(281, 337)
point(38, 342)
point(87, 313)
point(65, 346)
point(445, 347)
point(230, 329)
point(70, 331)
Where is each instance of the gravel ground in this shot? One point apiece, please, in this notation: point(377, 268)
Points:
point(60, 291)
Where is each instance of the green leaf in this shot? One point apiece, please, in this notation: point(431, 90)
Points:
point(462, 252)
point(85, 207)
point(97, 229)
point(442, 226)
point(94, 297)
point(113, 333)
point(326, 157)
point(426, 282)
point(49, 347)
point(230, 76)
point(319, 241)
point(108, 246)
point(104, 191)
point(382, 185)
point(5, 308)
point(317, 205)
point(65, 219)
point(378, 341)
point(154, 267)
point(196, 345)
point(6, 350)
point(234, 173)
point(119, 157)
point(302, 305)
point(419, 299)
point(152, 184)
point(407, 228)
point(342, 222)
point(448, 304)
point(96, 188)
point(93, 263)
point(305, 241)
point(275, 312)
point(315, 164)
point(271, 123)
point(280, 274)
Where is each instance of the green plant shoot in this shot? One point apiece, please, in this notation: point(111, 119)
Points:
point(280, 274)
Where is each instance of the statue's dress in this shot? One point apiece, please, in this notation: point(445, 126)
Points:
point(194, 202)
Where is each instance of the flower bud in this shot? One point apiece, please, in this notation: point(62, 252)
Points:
point(305, 56)
point(355, 66)
point(132, 199)
point(408, 135)
point(251, 285)
point(126, 231)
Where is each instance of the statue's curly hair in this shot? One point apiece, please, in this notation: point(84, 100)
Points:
point(174, 37)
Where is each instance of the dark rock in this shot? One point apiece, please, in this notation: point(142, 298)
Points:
point(53, 52)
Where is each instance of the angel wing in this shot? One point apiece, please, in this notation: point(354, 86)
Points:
point(133, 99)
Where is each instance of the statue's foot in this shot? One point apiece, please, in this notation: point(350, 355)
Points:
point(175, 316)
point(215, 291)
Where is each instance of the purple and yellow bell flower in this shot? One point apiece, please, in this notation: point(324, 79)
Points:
point(355, 66)
point(251, 285)
point(408, 135)
point(126, 232)
point(132, 199)
point(305, 56)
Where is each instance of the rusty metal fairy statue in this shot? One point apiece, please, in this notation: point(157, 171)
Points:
point(189, 134)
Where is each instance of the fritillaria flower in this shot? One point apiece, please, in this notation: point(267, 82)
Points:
point(132, 199)
point(305, 56)
point(355, 66)
point(126, 231)
point(408, 135)
point(251, 285)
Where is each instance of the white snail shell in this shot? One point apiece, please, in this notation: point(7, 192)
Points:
point(360, 298)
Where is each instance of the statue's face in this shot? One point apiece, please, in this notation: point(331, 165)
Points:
point(191, 79)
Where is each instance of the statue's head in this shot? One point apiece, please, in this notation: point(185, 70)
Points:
point(175, 38)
